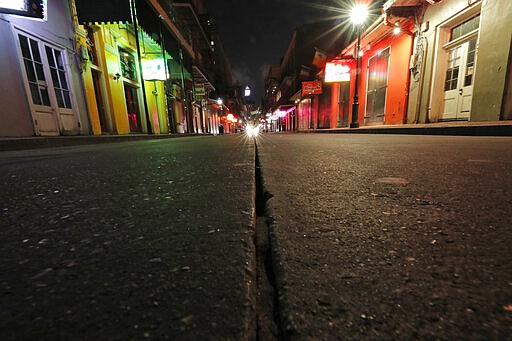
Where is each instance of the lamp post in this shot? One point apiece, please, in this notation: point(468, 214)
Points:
point(219, 115)
point(358, 16)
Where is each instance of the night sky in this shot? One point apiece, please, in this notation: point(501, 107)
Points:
point(256, 33)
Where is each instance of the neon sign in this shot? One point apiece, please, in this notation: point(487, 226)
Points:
point(337, 71)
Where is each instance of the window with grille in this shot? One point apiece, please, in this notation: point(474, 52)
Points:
point(452, 73)
point(58, 73)
point(128, 65)
point(465, 28)
point(34, 69)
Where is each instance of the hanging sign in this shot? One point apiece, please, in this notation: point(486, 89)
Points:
point(200, 91)
point(311, 88)
point(337, 71)
point(153, 69)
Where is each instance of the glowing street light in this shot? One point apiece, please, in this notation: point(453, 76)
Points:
point(220, 102)
point(219, 113)
point(358, 16)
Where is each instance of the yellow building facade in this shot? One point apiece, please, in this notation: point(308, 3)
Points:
point(118, 101)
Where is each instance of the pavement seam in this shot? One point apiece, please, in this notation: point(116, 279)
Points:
point(269, 267)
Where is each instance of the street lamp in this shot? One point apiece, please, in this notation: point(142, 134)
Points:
point(358, 17)
point(220, 127)
point(220, 102)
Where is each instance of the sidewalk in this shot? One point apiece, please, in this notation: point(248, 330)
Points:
point(491, 128)
point(33, 142)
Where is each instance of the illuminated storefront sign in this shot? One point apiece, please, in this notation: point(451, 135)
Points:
point(231, 118)
point(19, 5)
point(283, 111)
point(26, 8)
point(200, 91)
point(337, 71)
point(153, 69)
point(311, 88)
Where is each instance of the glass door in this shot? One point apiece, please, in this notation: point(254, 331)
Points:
point(46, 79)
point(132, 105)
point(458, 85)
point(43, 115)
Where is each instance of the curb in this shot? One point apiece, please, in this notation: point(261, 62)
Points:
point(23, 143)
point(455, 130)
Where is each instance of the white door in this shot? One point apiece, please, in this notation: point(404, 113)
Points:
point(59, 77)
point(47, 84)
point(43, 115)
point(458, 86)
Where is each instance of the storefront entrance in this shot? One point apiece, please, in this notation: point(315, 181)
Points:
point(96, 78)
point(458, 86)
point(377, 87)
point(305, 120)
point(132, 106)
point(46, 80)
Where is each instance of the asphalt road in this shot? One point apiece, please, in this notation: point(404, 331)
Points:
point(131, 240)
point(390, 237)
point(371, 237)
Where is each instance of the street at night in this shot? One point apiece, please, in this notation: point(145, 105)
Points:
point(369, 237)
point(255, 170)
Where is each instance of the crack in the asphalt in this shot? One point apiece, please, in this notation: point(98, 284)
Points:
point(267, 308)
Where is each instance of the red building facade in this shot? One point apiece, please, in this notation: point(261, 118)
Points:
point(386, 49)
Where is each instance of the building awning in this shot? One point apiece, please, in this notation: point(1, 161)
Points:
point(154, 26)
point(101, 11)
point(200, 78)
point(186, 15)
point(404, 8)
point(285, 109)
point(296, 96)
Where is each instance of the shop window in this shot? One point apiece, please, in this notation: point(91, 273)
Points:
point(59, 79)
point(128, 65)
point(34, 68)
point(452, 72)
point(91, 46)
point(470, 63)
